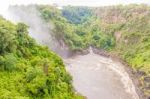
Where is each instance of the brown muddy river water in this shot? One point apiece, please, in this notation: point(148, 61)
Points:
point(94, 76)
point(98, 77)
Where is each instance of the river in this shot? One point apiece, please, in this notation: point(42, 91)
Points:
point(99, 77)
point(94, 76)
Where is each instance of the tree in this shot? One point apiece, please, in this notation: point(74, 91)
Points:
point(7, 37)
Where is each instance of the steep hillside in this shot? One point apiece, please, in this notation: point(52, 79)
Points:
point(77, 36)
point(121, 30)
point(30, 71)
point(130, 26)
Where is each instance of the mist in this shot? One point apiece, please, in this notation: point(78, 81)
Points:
point(94, 74)
point(6, 3)
point(40, 30)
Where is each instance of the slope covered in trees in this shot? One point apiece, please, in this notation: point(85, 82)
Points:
point(121, 30)
point(77, 36)
point(130, 26)
point(30, 71)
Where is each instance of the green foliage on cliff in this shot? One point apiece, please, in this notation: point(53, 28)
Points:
point(130, 25)
point(77, 27)
point(76, 15)
point(123, 30)
point(30, 71)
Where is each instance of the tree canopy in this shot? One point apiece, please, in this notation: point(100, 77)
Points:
point(30, 71)
point(121, 30)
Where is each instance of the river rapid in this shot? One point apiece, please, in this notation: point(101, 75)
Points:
point(94, 76)
point(99, 77)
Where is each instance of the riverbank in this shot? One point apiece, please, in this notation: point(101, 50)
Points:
point(134, 76)
point(96, 76)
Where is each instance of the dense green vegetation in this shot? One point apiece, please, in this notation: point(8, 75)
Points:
point(77, 15)
point(30, 71)
point(131, 28)
point(77, 27)
point(121, 30)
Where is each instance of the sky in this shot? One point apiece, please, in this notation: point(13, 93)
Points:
point(5, 3)
point(76, 2)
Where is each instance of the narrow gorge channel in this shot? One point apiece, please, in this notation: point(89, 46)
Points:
point(94, 76)
point(99, 77)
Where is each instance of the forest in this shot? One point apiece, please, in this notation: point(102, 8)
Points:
point(28, 70)
point(31, 71)
point(122, 31)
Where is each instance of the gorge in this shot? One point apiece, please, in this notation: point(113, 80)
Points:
point(73, 33)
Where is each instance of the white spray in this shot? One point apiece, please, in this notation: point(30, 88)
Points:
point(40, 30)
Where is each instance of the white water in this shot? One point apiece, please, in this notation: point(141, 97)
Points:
point(98, 77)
point(94, 76)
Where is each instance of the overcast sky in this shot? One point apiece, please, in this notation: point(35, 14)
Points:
point(5, 3)
point(78, 2)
